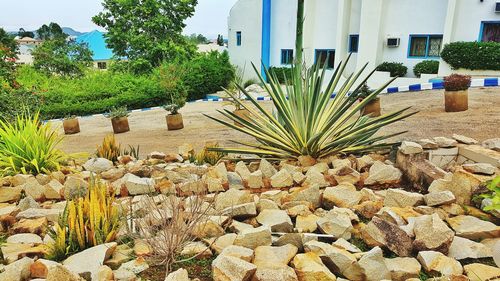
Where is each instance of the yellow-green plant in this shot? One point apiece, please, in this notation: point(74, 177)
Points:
point(307, 120)
point(110, 148)
point(494, 187)
point(28, 146)
point(207, 155)
point(86, 222)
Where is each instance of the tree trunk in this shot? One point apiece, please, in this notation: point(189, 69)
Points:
point(299, 41)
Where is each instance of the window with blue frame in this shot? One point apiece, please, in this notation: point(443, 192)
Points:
point(238, 38)
point(490, 31)
point(325, 57)
point(353, 43)
point(286, 56)
point(425, 46)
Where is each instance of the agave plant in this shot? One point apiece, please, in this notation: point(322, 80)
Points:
point(307, 121)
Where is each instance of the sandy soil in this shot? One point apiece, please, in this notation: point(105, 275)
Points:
point(148, 129)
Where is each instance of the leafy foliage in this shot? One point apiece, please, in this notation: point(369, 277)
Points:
point(494, 187)
point(197, 39)
point(284, 74)
point(14, 101)
point(208, 156)
point(85, 222)
point(118, 112)
point(8, 56)
point(51, 32)
point(147, 29)
point(457, 82)
point(110, 149)
point(397, 69)
point(170, 76)
point(307, 122)
point(27, 146)
point(472, 55)
point(23, 33)
point(426, 67)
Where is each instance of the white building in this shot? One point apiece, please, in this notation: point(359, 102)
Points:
point(375, 31)
point(25, 47)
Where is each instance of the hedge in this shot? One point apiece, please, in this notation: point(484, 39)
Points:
point(472, 55)
point(396, 69)
point(282, 73)
point(426, 67)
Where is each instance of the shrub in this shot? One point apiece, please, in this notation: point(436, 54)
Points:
point(457, 82)
point(207, 73)
point(494, 188)
point(110, 149)
point(397, 69)
point(208, 156)
point(118, 112)
point(426, 67)
point(85, 222)
point(27, 146)
point(472, 55)
point(14, 101)
point(283, 74)
point(171, 75)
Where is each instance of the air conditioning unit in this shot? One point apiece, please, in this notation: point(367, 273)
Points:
point(393, 42)
point(497, 7)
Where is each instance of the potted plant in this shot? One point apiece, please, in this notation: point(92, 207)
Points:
point(236, 96)
point(174, 118)
point(373, 107)
point(119, 120)
point(71, 125)
point(456, 94)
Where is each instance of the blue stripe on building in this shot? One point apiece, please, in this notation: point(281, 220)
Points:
point(490, 82)
point(266, 36)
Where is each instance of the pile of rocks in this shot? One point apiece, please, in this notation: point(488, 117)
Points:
point(329, 219)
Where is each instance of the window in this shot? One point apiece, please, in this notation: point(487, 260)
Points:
point(353, 43)
point(286, 56)
point(325, 57)
point(101, 65)
point(238, 38)
point(424, 46)
point(490, 32)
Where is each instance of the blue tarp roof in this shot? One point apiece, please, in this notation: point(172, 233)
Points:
point(97, 44)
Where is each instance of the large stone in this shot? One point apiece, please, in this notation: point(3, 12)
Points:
point(437, 263)
point(90, 260)
point(40, 268)
point(473, 228)
point(234, 180)
point(244, 210)
point(75, 186)
point(37, 226)
point(462, 248)
point(239, 252)
point(137, 186)
point(52, 215)
point(308, 194)
point(17, 271)
point(480, 168)
point(8, 194)
point(401, 198)
point(53, 190)
point(342, 262)
point(493, 144)
point(179, 275)
point(389, 235)
point(439, 198)
point(34, 189)
point(196, 249)
point(225, 268)
point(308, 266)
point(345, 175)
point(277, 273)
point(269, 256)
point(255, 180)
point(61, 273)
point(267, 168)
point(403, 268)
point(306, 223)
point(281, 179)
point(373, 263)
point(445, 142)
point(381, 173)
point(277, 220)
point(231, 198)
point(461, 184)
point(408, 147)
point(25, 238)
point(242, 169)
point(315, 178)
point(431, 233)
point(98, 165)
point(136, 266)
point(344, 195)
point(254, 237)
point(464, 139)
point(339, 226)
point(481, 272)
point(206, 229)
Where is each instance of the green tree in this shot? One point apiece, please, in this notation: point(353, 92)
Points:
point(197, 39)
point(147, 29)
point(8, 50)
point(220, 40)
point(62, 57)
point(51, 31)
point(23, 33)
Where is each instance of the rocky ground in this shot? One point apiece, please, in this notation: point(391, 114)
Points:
point(408, 215)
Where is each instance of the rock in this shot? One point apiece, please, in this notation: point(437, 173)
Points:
point(137, 186)
point(445, 142)
point(27, 203)
point(220, 243)
point(342, 262)
point(439, 198)
point(373, 263)
point(431, 233)
point(473, 228)
point(231, 198)
point(269, 256)
point(52, 215)
point(298, 177)
point(306, 223)
point(408, 147)
point(306, 160)
point(401, 198)
point(403, 268)
point(136, 266)
point(90, 260)
point(267, 168)
point(142, 248)
point(436, 262)
point(277, 220)
point(234, 180)
point(17, 271)
point(53, 190)
point(198, 249)
point(428, 144)
point(462, 248)
point(113, 174)
point(214, 184)
point(308, 194)
point(123, 253)
point(239, 252)
point(185, 150)
point(36, 226)
point(61, 273)
point(40, 268)
point(281, 179)
point(104, 273)
point(343, 244)
point(296, 239)
point(19, 179)
point(368, 209)
point(315, 178)
point(345, 175)
point(308, 266)
point(389, 235)
point(481, 272)
point(8, 194)
point(480, 168)
point(231, 268)
point(493, 144)
point(25, 238)
point(381, 173)
point(75, 186)
point(461, 184)
point(242, 169)
point(123, 274)
point(344, 195)
point(207, 228)
point(254, 237)
point(364, 162)
point(33, 189)
point(464, 139)
point(281, 273)
point(98, 165)
point(241, 211)
point(255, 180)
point(265, 204)
point(179, 275)
point(339, 226)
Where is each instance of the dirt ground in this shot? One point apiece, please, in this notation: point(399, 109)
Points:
point(148, 129)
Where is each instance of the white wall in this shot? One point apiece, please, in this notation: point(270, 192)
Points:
point(246, 16)
point(283, 23)
point(469, 16)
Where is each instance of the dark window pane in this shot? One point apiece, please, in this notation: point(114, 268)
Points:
point(238, 38)
point(491, 32)
point(286, 56)
point(418, 46)
point(353, 43)
point(325, 57)
point(435, 46)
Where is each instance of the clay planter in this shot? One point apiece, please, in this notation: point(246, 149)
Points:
point(372, 108)
point(71, 126)
point(242, 113)
point(455, 101)
point(120, 125)
point(174, 122)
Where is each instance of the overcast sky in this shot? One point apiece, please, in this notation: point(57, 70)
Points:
point(209, 19)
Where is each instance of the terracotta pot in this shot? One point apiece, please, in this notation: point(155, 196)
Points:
point(174, 122)
point(71, 126)
point(372, 108)
point(455, 101)
point(120, 125)
point(242, 113)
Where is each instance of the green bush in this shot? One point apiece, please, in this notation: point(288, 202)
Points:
point(397, 69)
point(282, 73)
point(14, 101)
point(426, 67)
point(472, 55)
point(207, 73)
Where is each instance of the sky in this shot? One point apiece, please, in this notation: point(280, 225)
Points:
point(209, 19)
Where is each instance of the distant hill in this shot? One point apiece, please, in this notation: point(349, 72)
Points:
point(68, 30)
